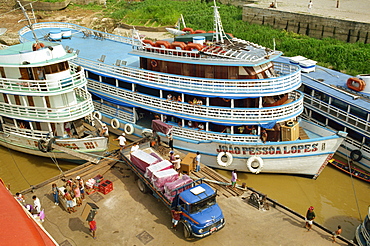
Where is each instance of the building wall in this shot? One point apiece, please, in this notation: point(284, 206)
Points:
point(310, 25)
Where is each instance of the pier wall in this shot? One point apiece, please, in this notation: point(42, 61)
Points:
point(310, 25)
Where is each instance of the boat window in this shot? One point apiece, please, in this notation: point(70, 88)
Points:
point(92, 76)
point(359, 112)
point(339, 104)
point(110, 81)
point(335, 125)
point(354, 135)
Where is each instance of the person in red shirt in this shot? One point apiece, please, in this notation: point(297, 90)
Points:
point(176, 216)
point(92, 225)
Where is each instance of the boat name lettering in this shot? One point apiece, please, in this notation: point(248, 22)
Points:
point(269, 150)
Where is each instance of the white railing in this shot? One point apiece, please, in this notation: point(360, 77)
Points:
point(78, 28)
point(42, 114)
point(224, 114)
point(26, 132)
point(211, 136)
point(290, 80)
point(43, 87)
point(336, 114)
point(114, 112)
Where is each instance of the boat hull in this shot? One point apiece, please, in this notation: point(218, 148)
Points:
point(94, 146)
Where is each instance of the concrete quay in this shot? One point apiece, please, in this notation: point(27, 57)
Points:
point(128, 217)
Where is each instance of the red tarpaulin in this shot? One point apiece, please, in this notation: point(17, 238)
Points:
point(160, 126)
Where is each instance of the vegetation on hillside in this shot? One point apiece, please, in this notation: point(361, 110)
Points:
point(350, 58)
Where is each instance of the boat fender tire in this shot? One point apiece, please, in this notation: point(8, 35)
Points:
point(50, 143)
point(224, 163)
point(41, 144)
point(129, 129)
point(115, 123)
point(97, 115)
point(147, 133)
point(356, 155)
point(257, 169)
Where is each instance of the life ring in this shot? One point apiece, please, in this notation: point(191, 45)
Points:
point(257, 169)
point(129, 128)
point(115, 123)
point(50, 143)
point(154, 63)
point(97, 115)
point(227, 162)
point(42, 145)
point(147, 133)
point(361, 84)
point(356, 155)
point(226, 100)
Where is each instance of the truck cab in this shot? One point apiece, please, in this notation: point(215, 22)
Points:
point(201, 215)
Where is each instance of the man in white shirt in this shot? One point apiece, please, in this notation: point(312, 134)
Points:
point(122, 141)
point(104, 131)
point(134, 147)
point(177, 163)
point(36, 204)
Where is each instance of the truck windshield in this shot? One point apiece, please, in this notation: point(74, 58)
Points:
point(203, 204)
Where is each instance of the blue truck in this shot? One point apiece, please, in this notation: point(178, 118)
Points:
point(201, 215)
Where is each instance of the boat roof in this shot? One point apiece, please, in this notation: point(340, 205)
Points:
point(114, 47)
point(333, 83)
point(18, 226)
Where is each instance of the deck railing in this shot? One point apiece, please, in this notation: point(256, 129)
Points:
point(26, 132)
point(42, 114)
point(347, 119)
point(114, 112)
point(211, 113)
point(288, 81)
point(44, 87)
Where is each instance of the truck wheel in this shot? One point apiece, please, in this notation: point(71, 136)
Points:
point(142, 187)
point(186, 230)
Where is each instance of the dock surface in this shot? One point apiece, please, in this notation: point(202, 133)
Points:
point(128, 217)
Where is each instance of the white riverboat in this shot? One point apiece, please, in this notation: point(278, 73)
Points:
point(44, 101)
point(227, 98)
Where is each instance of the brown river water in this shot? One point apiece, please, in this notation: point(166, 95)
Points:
point(338, 199)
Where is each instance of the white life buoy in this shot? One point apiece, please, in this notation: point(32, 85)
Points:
point(147, 133)
point(114, 123)
point(129, 128)
point(255, 169)
point(227, 162)
point(97, 115)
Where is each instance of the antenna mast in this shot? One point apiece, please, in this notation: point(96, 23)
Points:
point(28, 20)
point(219, 34)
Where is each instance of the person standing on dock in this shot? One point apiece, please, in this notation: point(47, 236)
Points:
point(104, 131)
point(36, 204)
point(81, 184)
point(122, 141)
point(197, 162)
point(176, 216)
point(170, 140)
point(310, 6)
point(68, 197)
point(55, 191)
point(337, 233)
point(310, 216)
point(234, 178)
point(177, 163)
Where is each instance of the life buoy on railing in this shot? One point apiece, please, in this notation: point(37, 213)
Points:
point(226, 100)
point(114, 123)
point(129, 128)
point(154, 63)
point(42, 145)
point(356, 155)
point(361, 84)
point(97, 115)
point(228, 161)
point(255, 169)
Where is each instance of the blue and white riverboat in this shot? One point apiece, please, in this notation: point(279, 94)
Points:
point(225, 97)
point(340, 102)
point(362, 234)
